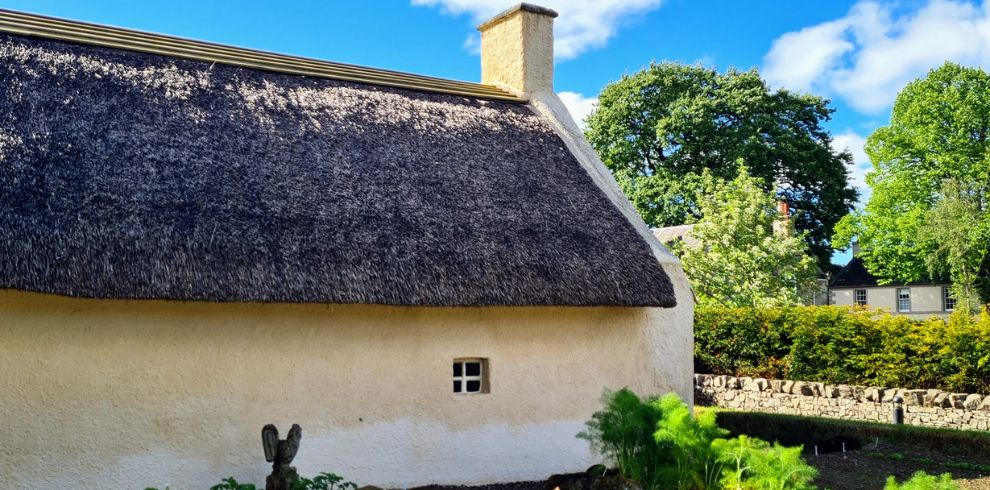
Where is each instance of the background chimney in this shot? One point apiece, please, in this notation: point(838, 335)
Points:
point(517, 49)
point(783, 209)
point(781, 225)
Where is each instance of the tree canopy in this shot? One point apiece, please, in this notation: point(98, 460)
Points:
point(659, 129)
point(742, 252)
point(928, 214)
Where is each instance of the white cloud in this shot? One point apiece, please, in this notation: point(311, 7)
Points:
point(582, 24)
point(472, 45)
point(861, 166)
point(867, 56)
point(849, 140)
point(798, 59)
point(578, 105)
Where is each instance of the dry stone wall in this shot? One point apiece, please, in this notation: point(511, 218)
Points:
point(933, 408)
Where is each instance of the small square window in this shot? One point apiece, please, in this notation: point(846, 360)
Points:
point(470, 376)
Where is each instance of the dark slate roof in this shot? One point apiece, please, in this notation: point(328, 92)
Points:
point(855, 275)
point(133, 175)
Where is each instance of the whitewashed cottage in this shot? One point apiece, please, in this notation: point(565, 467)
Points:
point(435, 279)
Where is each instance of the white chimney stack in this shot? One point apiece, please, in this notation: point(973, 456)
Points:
point(517, 50)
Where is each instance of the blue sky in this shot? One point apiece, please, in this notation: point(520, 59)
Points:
point(857, 53)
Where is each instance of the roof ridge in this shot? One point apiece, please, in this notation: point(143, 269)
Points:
point(160, 44)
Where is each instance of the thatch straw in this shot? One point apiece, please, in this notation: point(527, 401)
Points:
point(128, 175)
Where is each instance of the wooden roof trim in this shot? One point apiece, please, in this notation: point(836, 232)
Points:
point(113, 37)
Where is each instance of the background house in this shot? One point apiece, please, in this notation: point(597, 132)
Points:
point(436, 279)
point(854, 285)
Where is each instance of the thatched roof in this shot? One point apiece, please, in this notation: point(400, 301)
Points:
point(134, 175)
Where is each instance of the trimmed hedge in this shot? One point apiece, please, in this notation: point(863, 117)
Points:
point(836, 344)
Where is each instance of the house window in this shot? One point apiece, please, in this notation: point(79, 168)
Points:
point(470, 376)
point(948, 302)
point(859, 297)
point(903, 299)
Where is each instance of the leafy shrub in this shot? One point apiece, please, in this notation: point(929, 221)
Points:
point(754, 463)
point(923, 481)
point(232, 484)
point(692, 441)
point(658, 443)
point(845, 345)
point(623, 434)
point(324, 481)
point(740, 341)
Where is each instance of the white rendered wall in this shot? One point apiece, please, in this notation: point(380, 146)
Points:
point(926, 300)
point(127, 394)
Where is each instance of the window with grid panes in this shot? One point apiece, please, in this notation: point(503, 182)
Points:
point(859, 297)
point(903, 299)
point(470, 376)
point(948, 302)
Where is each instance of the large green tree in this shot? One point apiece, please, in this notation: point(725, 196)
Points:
point(658, 129)
point(958, 227)
point(928, 213)
point(741, 252)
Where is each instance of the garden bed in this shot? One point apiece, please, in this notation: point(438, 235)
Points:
point(872, 451)
point(532, 485)
point(869, 467)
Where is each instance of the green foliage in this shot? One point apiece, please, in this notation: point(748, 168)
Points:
point(959, 228)
point(660, 444)
point(659, 129)
point(931, 184)
point(694, 444)
point(923, 481)
point(845, 345)
point(623, 433)
point(745, 254)
point(323, 481)
point(755, 464)
point(232, 484)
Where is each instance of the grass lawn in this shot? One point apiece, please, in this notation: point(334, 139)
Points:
point(872, 451)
